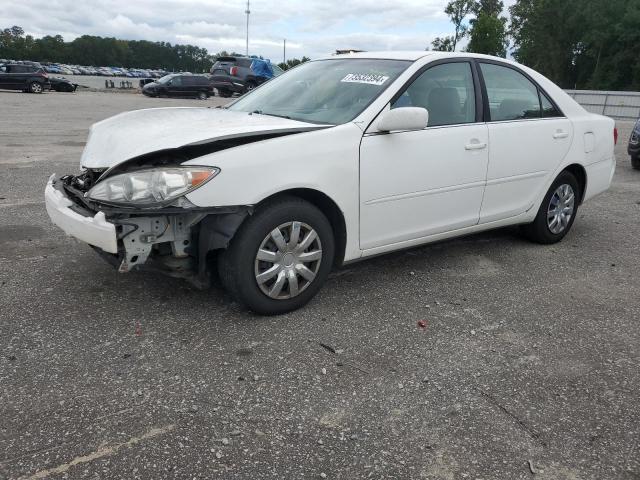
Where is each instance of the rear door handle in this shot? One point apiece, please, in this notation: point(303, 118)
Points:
point(475, 146)
point(559, 135)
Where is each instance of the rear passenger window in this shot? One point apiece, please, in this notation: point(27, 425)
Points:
point(512, 96)
point(548, 109)
point(446, 91)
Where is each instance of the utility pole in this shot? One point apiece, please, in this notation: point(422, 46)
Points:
point(284, 51)
point(247, 11)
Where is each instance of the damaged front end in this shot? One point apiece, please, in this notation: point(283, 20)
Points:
point(143, 220)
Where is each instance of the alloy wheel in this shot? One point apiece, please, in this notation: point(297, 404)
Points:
point(561, 208)
point(288, 260)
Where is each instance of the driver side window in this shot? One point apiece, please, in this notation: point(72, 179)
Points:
point(446, 91)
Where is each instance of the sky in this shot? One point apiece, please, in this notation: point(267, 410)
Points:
point(311, 27)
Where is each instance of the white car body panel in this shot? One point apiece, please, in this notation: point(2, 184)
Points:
point(408, 191)
point(131, 134)
point(523, 155)
point(324, 160)
point(394, 190)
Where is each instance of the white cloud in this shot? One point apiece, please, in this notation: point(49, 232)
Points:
point(311, 27)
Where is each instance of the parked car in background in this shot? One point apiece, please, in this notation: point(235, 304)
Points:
point(180, 85)
point(338, 159)
point(61, 84)
point(143, 81)
point(25, 77)
point(634, 146)
point(231, 75)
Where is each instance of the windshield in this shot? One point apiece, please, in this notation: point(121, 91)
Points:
point(165, 79)
point(325, 91)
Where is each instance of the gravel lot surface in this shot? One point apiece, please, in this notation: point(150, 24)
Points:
point(528, 365)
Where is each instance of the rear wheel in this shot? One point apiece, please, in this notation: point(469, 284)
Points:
point(635, 163)
point(557, 211)
point(202, 95)
point(35, 87)
point(279, 258)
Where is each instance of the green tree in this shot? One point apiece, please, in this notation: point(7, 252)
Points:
point(488, 35)
point(588, 44)
point(457, 10)
point(443, 44)
point(293, 62)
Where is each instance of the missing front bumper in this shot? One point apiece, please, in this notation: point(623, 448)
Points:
point(173, 241)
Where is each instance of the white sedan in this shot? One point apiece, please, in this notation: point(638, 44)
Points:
point(334, 161)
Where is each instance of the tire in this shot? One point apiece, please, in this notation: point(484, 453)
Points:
point(557, 212)
point(224, 93)
point(239, 267)
point(635, 163)
point(202, 95)
point(249, 86)
point(36, 87)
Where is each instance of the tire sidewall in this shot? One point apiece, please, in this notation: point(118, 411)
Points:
point(251, 235)
point(31, 87)
point(541, 222)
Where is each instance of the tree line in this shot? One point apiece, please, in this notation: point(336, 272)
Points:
point(584, 44)
point(106, 51)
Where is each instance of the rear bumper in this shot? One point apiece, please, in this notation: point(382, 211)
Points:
point(599, 177)
point(94, 230)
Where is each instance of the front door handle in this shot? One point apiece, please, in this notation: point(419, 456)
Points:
point(560, 134)
point(475, 146)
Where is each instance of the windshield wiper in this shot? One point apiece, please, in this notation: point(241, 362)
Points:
point(260, 112)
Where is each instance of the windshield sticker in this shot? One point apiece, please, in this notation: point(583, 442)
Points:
point(369, 79)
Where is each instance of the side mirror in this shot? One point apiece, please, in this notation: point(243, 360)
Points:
point(403, 118)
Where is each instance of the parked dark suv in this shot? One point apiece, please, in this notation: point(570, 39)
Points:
point(180, 85)
point(634, 146)
point(28, 78)
point(231, 75)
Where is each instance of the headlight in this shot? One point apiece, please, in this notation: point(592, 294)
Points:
point(151, 187)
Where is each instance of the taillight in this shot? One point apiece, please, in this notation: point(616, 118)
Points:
point(233, 71)
point(615, 135)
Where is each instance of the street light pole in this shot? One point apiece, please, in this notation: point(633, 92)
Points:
point(247, 11)
point(284, 51)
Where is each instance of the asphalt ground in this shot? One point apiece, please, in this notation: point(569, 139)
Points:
point(527, 365)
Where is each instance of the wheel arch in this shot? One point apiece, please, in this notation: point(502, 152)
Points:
point(328, 207)
point(580, 173)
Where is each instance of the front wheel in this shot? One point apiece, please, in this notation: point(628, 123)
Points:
point(557, 211)
point(279, 258)
point(202, 95)
point(35, 87)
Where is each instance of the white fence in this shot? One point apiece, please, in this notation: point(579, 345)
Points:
point(618, 105)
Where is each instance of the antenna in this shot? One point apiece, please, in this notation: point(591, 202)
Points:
point(247, 11)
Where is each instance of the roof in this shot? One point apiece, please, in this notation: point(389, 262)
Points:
point(390, 55)
point(414, 55)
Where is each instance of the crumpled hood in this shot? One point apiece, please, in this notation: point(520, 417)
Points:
point(131, 134)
